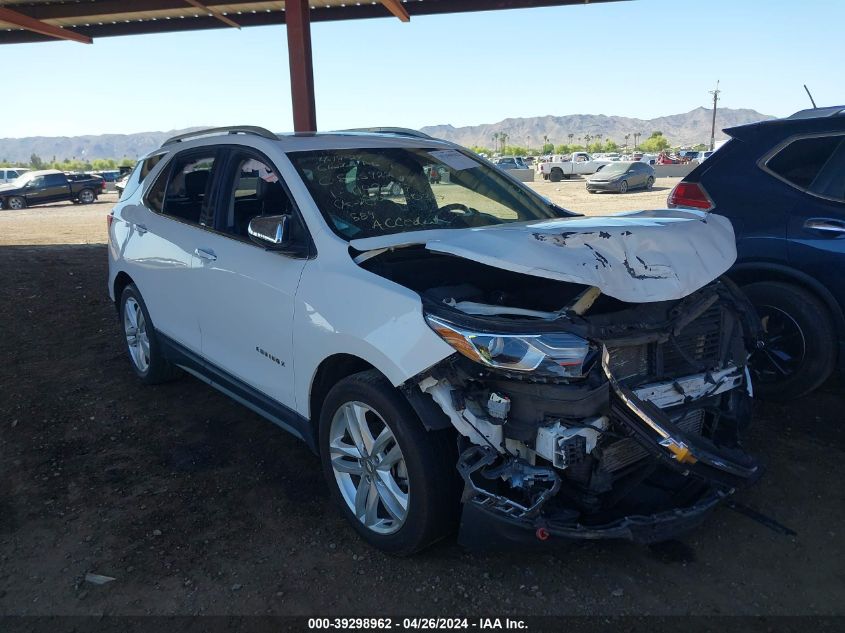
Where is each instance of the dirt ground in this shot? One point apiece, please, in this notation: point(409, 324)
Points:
point(196, 505)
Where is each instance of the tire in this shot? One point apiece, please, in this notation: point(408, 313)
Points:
point(16, 203)
point(555, 175)
point(87, 196)
point(414, 496)
point(801, 345)
point(649, 183)
point(591, 191)
point(145, 356)
point(623, 186)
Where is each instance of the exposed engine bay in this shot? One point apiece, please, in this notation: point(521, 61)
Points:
point(580, 415)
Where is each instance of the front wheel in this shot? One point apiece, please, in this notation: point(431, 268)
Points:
point(800, 341)
point(16, 203)
point(395, 482)
point(623, 186)
point(86, 196)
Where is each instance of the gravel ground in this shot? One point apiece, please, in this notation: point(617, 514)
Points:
point(195, 505)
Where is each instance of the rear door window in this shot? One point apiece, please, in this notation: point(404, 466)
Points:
point(801, 161)
point(183, 191)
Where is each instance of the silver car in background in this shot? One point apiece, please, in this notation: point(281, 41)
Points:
point(621, 177)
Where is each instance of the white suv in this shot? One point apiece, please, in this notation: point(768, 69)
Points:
point(578, 377)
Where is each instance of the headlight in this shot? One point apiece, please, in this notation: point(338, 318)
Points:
point(559, 355)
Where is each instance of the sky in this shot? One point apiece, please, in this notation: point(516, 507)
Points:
point(644, 59)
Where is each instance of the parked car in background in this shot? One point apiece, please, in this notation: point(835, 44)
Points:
point(650, 159)
point(120, 184)
point(79, 176)
point(782, 185)
point(47, 186)
point(111, 176)
point(566, 166)
point(702, 156)
point(621, 177)
point(8, 174)
point(510, 162)
point(510, 354)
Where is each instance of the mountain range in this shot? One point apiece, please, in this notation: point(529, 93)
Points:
point(689, 128)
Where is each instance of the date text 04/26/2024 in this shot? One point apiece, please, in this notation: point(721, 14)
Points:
point(416, 624)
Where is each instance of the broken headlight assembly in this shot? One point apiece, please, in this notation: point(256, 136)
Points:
point(553, 355)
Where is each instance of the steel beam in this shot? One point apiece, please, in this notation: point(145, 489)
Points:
point(42, 28)
point(213, 12)
point(396, 8)
point(298, 20)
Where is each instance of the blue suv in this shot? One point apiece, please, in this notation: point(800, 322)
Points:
point(782, 185)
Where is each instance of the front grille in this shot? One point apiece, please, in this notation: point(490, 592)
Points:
point(628, 450)
point(696, 348)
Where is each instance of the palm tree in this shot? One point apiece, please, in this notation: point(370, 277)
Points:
point(570, 137)
point(627, 136)
point(495, 142)
point(587, 138)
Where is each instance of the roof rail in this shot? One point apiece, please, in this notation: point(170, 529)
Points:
point(232, 129)
point(399, 131)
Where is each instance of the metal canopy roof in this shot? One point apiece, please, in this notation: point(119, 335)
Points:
point(24, 21)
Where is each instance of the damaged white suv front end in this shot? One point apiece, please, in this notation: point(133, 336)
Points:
point(600, 380)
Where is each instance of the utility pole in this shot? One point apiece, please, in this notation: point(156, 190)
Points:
point(715, 94)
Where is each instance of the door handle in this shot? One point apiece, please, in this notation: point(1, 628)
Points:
point(208, 256)
point(833, 227)
point(141, 229)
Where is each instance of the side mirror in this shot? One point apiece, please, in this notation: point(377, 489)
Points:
point(270, 231)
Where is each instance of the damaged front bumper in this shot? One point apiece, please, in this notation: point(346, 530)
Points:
point(640, 449)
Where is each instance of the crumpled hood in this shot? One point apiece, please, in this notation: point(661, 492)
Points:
point(637, 256)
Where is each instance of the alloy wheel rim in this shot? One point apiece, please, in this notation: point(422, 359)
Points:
point(137, 339)
point(369, 467)
point(86, 196)
point(785, 347)
point(15, 204)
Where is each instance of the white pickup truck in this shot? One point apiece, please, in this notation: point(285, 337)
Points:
point(578, 163)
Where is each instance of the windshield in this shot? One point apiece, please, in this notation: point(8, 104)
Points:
point(373, 192)
point(21, 180)
point(614, 168)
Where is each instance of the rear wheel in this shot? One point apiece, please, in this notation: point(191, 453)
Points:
point(86, 196)
point(142, 343)
point(649, 183)
point(394, 482)
point(555, 175)
point(800, 340)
